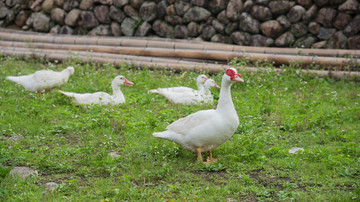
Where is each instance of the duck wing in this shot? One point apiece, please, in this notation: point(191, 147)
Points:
point(197, 119)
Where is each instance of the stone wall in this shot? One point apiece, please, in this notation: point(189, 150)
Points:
point(279, 23)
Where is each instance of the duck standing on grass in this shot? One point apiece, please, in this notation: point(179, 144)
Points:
point(102, 98)
point(43, 80)
point(205, 130)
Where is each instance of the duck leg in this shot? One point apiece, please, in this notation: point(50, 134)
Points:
point(210, 159)
point(40, 94)
point(198, 153)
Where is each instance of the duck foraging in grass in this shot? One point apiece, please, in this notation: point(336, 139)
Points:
point(43, 80)
point(205, 130)
point(102, 98)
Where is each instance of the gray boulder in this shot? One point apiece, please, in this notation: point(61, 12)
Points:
point(193, 28)
point(66, 30)
point(143, 29)
point(41, 22)
point(296, 13)
point(354, 42)
point(128, 26)
point(305, 42)
point(231, 27)
point(58, 15)
point(162, 29)
point(102, 14)
point(326, 33)
point(337, 41)
point(248, 24)
point(282, 19)
point(261, 13)
point(299, 29)
point(241, 38)
point(271, 28)
point(234, 9)
point(130, 11)
point(73, 17)
point(342, 20)
point(116, 14)
point(305, 3)
point(219, 27)
point(120, 3)
point(148, 11)
point(88, 19)
point(181, 31)
point(353, 27)
point(196, 14)
point(115, 29)
point(208, 32)
point(350, 6)
point(136, 3)
point(285, 40)
point(181, 7)
point(280, 7)
point(218, 38)
point(310, 14)
point(86, 4)
point(173, 19)
point(70, 4)
point(101, 30)
point(47, 5)
point(260, 40)
point(107, 2)
point(4, 12)
point(23, 172)
point(321, 3)
point(314, 28)
point(215, 6)
point(21, 18)
point(326, 17)
point(201, 3)
point(55, 29)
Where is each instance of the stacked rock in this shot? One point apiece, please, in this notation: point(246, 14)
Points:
point(279, 23)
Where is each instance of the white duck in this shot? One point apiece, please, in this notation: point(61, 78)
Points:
point(200, 80)
point(43, 80)
point(203, 95)
point(207, 129)
point(102, 98)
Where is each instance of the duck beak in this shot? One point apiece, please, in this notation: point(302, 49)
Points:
point(237, 78)
point(216, 86)
point(128, 83)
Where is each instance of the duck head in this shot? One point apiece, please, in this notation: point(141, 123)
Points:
point(233, 75)
point(211, 83)
point(71, 70)
point(121, 80)
point(201, 79)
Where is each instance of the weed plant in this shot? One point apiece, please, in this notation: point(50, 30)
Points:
point(70, 144)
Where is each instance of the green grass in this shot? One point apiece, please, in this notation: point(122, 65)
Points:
point(69, 144)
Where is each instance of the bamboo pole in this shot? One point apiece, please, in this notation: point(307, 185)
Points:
point(102, 58)
point(192, 54)
point(11, 35)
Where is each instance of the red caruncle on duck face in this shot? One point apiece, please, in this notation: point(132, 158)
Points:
point(232, 73)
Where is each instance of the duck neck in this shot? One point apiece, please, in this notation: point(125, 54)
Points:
point(225, 100)
point(200, 85)
point(117, 93)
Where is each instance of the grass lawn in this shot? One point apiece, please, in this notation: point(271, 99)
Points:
point(70, 144)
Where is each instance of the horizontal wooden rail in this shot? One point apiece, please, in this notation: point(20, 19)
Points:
point(224, 56)
point(11, 35)
point(102, 58)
